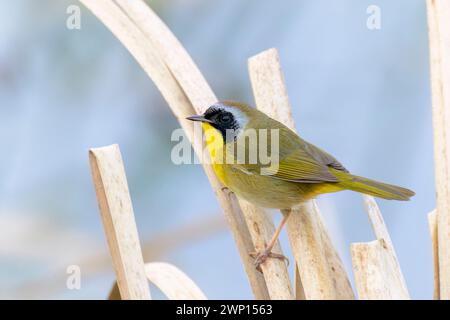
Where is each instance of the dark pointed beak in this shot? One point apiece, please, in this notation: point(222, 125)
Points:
point(198, 118)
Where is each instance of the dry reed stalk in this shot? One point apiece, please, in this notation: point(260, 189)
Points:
point(116, 210)
point(275, 271)
point(321, 271)
point(375, 272)
point(298, 286)
point(114, 294)
point(173, 282)
point(381, 233)
point(201, 96)
point(172, 70)
point(432, 224)
point(439, 37)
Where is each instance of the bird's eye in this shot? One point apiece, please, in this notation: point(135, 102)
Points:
point(225, 118)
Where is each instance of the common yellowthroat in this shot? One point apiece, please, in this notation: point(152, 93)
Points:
point(300, 172)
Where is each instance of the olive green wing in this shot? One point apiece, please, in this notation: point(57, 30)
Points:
point(298, 166)
point(299, 160)
point(323, 157)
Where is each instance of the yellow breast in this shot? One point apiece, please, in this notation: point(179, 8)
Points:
point(215, 145)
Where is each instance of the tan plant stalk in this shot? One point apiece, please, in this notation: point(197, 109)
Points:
point(199, 93)
point(173, 282)
point(375, 272)
point(186, 92)
point(275, 271)
point(321, 272)
point(381, 233)
point(439, 37)
point(117, 215)
point(432, 224)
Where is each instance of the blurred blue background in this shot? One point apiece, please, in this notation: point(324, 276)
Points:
point(363, 95)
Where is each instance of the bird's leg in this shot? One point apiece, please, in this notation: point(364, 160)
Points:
point(262, 256)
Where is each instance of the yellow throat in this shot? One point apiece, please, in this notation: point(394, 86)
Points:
point(215, 145)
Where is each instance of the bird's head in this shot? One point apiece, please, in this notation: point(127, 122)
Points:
point(226, 116)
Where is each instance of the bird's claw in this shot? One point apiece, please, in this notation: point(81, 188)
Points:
point(261, 256)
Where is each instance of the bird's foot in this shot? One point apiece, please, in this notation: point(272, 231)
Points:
point(261, 256)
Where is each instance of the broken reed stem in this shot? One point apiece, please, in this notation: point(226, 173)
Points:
point(432, 224)
point(375, 272)
point(438, 12)
point(321, 271)
point(116, 210)
point(174, 73)
point(381, 233)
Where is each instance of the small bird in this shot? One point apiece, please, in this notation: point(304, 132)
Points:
point(300, 172)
